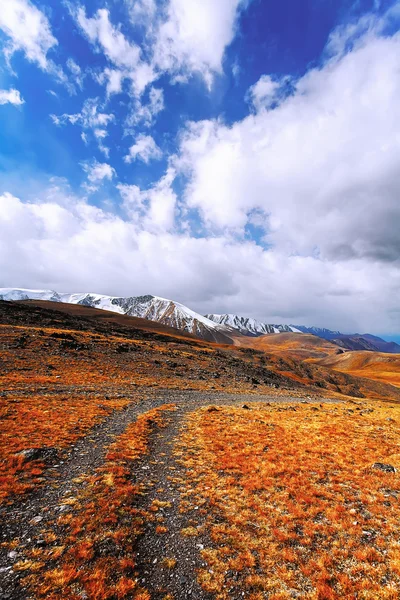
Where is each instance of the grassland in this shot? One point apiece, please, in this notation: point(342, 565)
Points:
point(92, 554)
point(265, 502)
point(291, 506)
point(376, 366)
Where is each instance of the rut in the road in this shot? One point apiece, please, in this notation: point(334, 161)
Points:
point(167, 560)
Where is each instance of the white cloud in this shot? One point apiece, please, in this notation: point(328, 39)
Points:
point(195, 34)
point(182, 37)
point(60, 241)
point(322, 166)
point(124, 54)
point(97, 173)
point(11, 96)
point(76, 72)
point(145, 149)
point(265, 92)
point(89, 119)
point(113, 79)
point(147, 113)
point(152, 210)
point(115, 46)
point(142, 12)
point(28, 29)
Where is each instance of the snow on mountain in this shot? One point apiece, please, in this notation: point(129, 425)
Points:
point(250, 327)
point(25, 294)
point(321, 332)
point(148, 307)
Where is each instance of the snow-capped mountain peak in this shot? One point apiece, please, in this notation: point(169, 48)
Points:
point(153, 308)
point(250, 327)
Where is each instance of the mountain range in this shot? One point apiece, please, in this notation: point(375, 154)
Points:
point(211, 327)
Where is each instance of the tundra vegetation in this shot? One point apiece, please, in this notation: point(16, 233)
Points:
point(293, 497)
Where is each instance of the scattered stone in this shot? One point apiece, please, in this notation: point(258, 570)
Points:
point(36, 520)
point(44, 454)
point(384, 467)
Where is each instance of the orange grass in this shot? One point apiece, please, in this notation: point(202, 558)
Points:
point(98, 535)
point(291, 504)
point(42, 421)
point(373, 365)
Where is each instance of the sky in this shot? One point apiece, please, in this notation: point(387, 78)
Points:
point(238, 156)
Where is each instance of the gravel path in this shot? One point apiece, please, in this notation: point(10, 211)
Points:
point(24, 519)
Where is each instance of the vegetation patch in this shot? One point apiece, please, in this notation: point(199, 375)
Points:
point(293, 502)
point(35, 429)
point(91, 554)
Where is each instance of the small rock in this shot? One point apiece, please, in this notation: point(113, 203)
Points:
point(36, 519)
point(246, 407)
point(384, 467)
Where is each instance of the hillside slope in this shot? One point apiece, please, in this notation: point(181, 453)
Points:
point(294, 345)
point(164, 311)
point(378, 366)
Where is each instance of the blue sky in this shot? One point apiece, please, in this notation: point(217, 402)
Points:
point(239, 156)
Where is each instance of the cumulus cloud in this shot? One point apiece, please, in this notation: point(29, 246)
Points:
point(195, 34)
point(60, 241)
point(181, 37)
point(11, 96)
point(266, 91)
point(153, 209)
point(145, 149)
point(322, 166)
point(96, 174)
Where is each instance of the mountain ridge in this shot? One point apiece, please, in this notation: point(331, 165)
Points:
point(220, 328)
point(250, 326)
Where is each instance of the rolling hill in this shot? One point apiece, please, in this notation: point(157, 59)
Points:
point(378, 366)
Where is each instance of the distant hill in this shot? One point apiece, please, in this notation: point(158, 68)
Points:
point(220, 328)
point(378, 366)
point(368, 342)
point(355, 341)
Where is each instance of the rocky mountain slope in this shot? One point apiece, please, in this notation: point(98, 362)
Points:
point(249, 326)
point(167, 312)
point(223, 329)
point(368, 342)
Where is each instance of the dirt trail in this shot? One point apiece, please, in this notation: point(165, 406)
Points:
point(25, 519)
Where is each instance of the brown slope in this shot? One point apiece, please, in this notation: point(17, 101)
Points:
point(306, 358)
point(161, 326)
point(299, 346)
point(103, 317)
point(378, 366)
point(106, 348)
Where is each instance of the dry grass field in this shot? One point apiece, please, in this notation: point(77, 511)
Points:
point(299, 346)
point(372, 365)
point(291, 504)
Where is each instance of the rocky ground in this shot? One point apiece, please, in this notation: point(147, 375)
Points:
point(26, 518)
